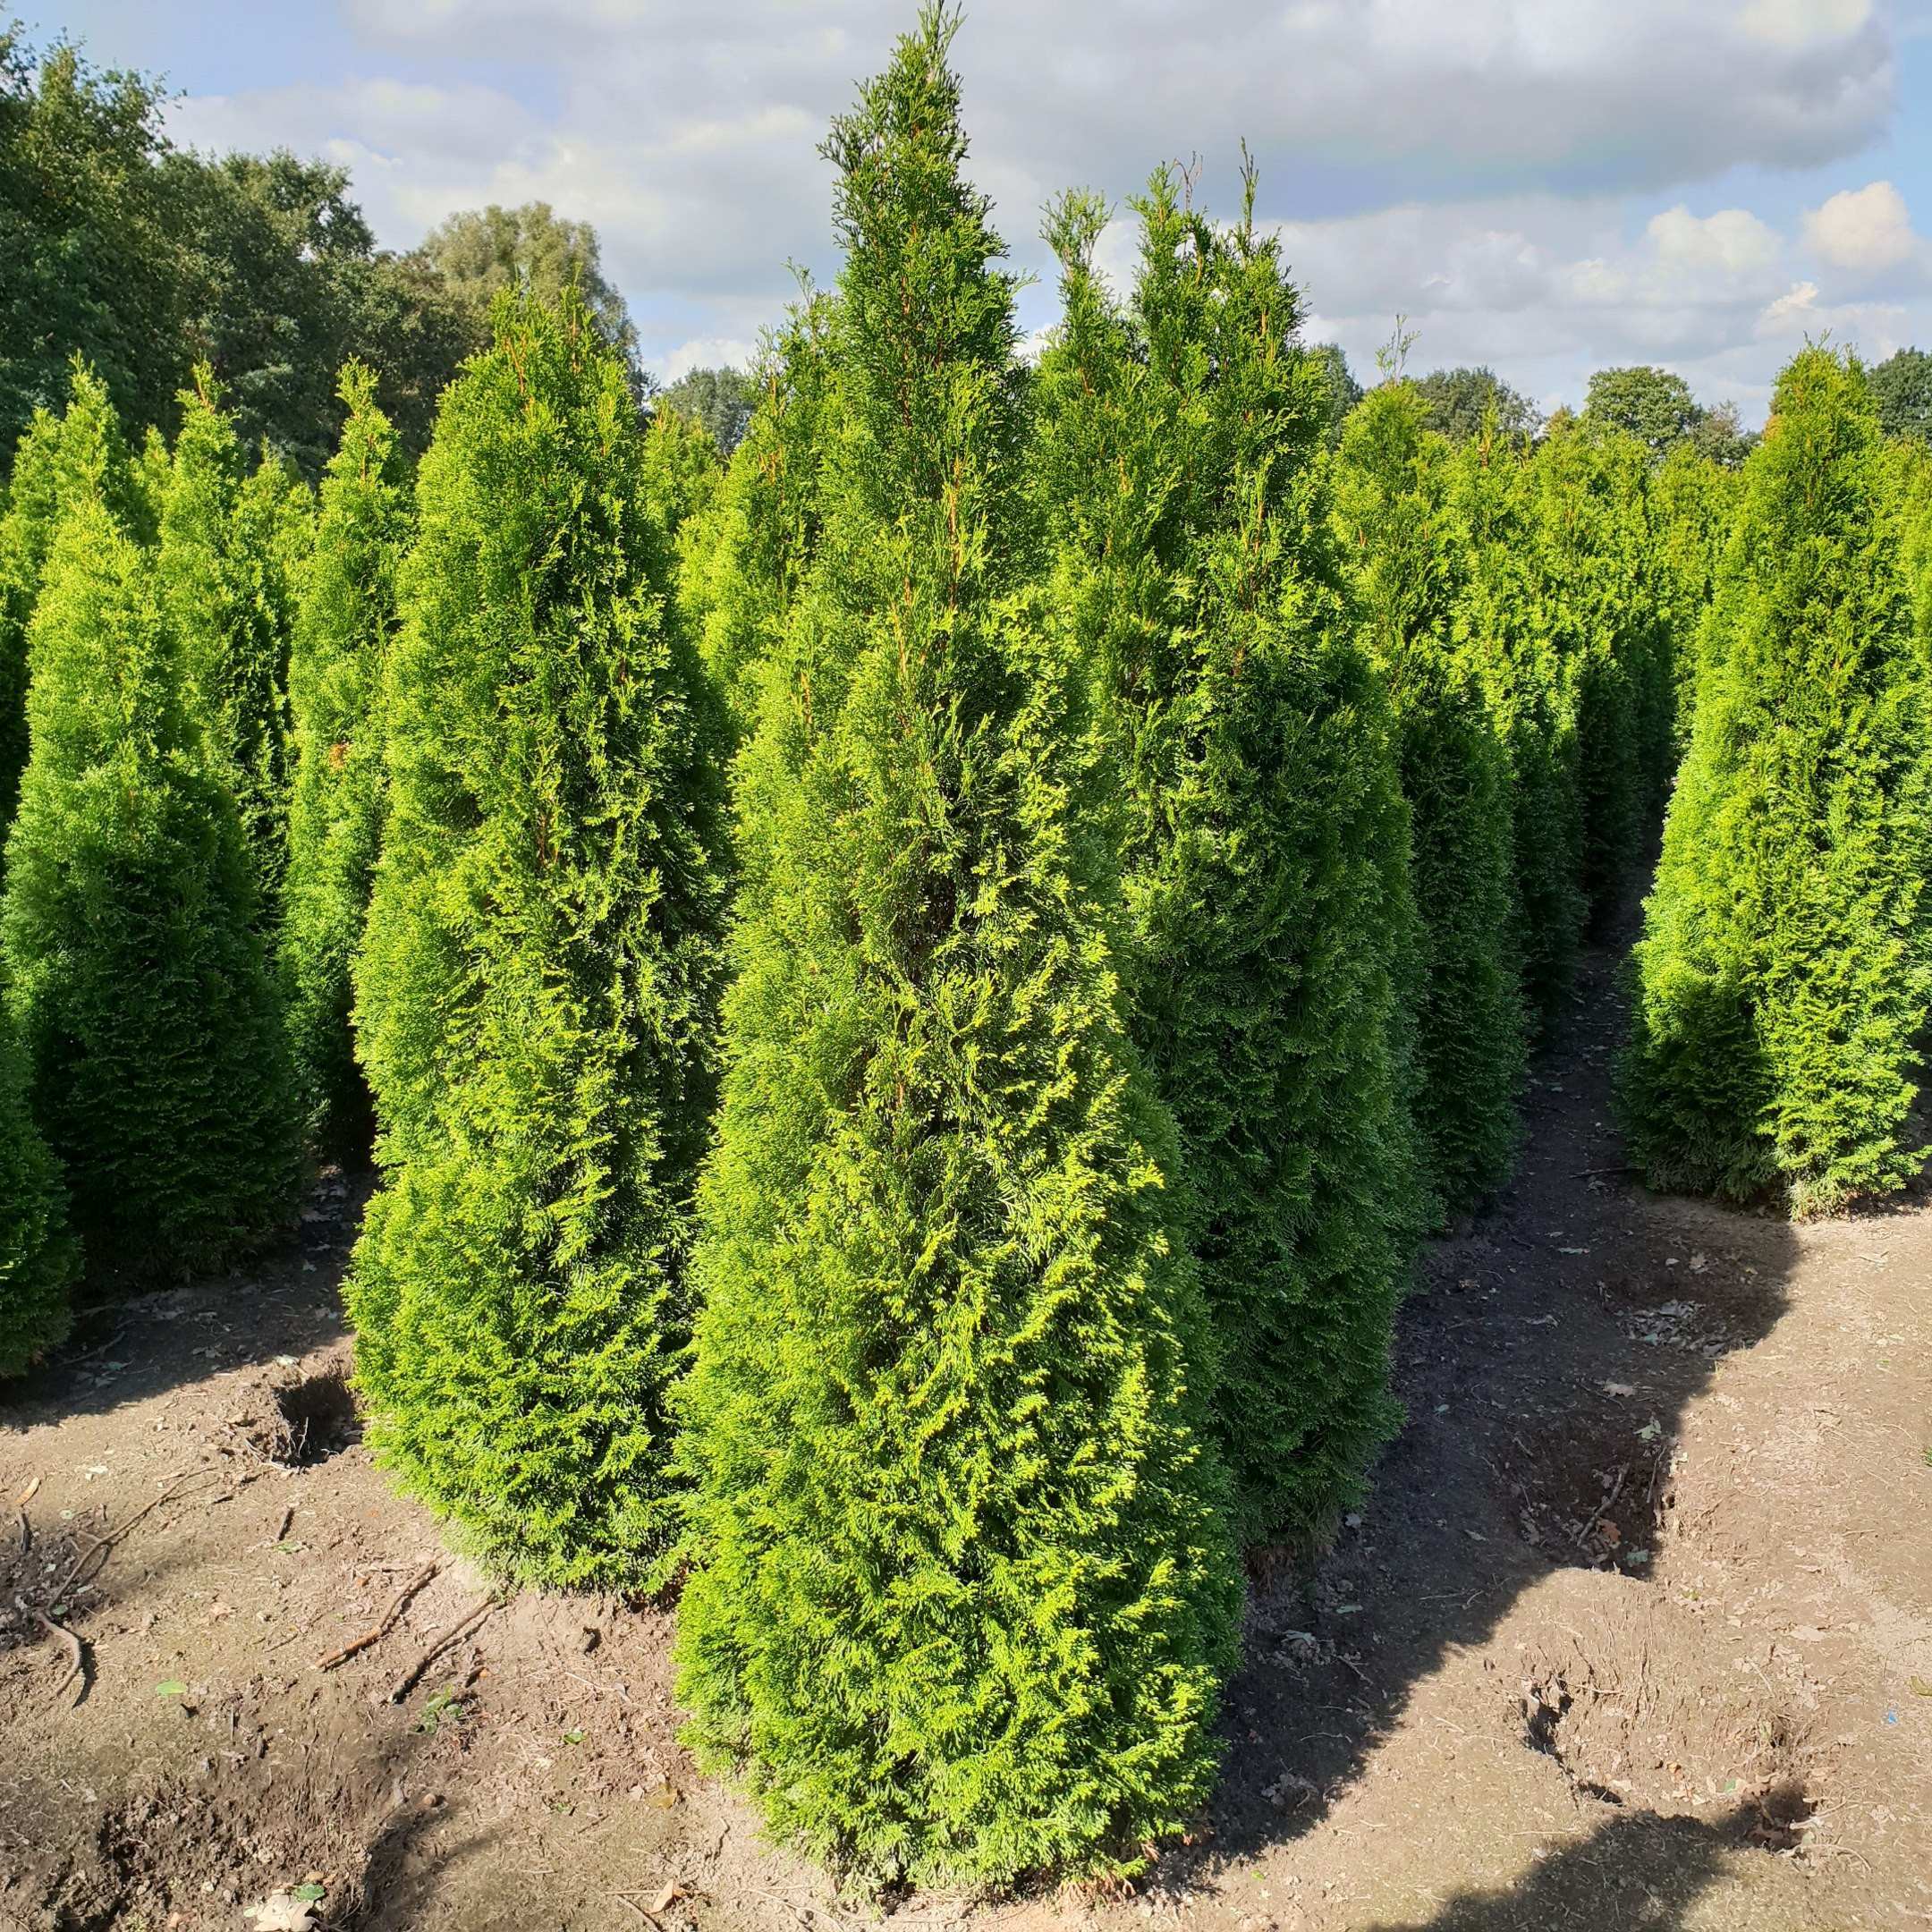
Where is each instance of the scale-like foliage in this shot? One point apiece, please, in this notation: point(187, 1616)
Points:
point(337, 699)
point(1410, 559)
point(39, 1258)
point(1784, 973)
point(58, 459)
point(963, 1593)
point(744, 557)
point(1509, 643)
point(157, 1070)
point(1692, 501)
point(1605, 604)
point(535, 996)
point(1264, 838)
point(234, 546)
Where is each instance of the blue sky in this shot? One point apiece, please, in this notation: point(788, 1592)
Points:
point(1548, 186)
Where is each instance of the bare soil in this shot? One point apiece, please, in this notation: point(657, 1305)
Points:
point(1633, 1628)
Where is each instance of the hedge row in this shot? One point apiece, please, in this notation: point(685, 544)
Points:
point(914, 995)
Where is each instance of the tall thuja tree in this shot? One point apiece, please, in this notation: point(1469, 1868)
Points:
point(39, 1257)
point(1606, 599)
point(232, 558)
point(744, 558)
point(963, 1593)
point(1264, 838)
point(59, 458)
point(1785, 974)
point(1519, 655)
point(154, 1046)
point(536, 989)
point(1691, 502)
point(1410, 563)
point(338, 702)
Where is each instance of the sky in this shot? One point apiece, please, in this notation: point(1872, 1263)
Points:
point(1545, 186)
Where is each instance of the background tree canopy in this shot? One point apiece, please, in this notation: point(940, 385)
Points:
point(1456, 400)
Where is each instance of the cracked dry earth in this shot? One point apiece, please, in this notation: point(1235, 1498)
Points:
point(1633, 1628)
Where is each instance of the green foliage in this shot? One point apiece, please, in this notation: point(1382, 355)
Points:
point(744, 558)
point(1651, 404)
point(1412, 568)
point(482, 253)
point(232, 551)
point(1263, 833)
point(1605, 604)
point(338, 698)
point(962, 1594)
point(1692, 501)
point(535, 994)
point(149, 1022)
point(39, 1258)
point(720, 400)
point(1457, 402)
point(1902, 388)
point(143, 259)
point(1344, 391)
point(1518, 653)
point(1784, 972)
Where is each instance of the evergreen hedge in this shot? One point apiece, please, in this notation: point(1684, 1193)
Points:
point(232, 551)
point(963, 1595)
point(157, 1067)
point(338, 706)
point(1517, 650)
point(39, 1257)
point(1784, 973)
point(535, 995)
point(1263, 834)
point(1412, 568)
point(1606, 604)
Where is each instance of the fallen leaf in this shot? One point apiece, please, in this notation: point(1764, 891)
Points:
point(1650, 1431)
point(27, 1495)
point(664, 1797)
point(174, 1687)
point(1609, 1532)
point(1920, 1688)
point(281, 1912)
point(1620, 1388)
point(670, 1894)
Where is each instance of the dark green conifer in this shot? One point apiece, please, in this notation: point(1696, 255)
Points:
point(535, 994)
point(233, 547)
point(962, 1594)
point(338, 703)
point(1263, 833)
point(156, 1066)
point(39, 1258)
point(1412, 569)
point(1783, 982)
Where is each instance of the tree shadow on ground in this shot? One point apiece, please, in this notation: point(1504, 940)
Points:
point(1546, 1362)
point(1640, 1873)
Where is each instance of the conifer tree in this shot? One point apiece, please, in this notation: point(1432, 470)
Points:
point(48, 470)
point(337, 699)
point(535, 994)
point(39, 1258)
point(1519, 655)
point(1606, 603)
point(1264, 836)
point(962, 1594)
point(1412, 569)
point(1783, 977)
point(156, 1066)
point(234, 545)
point(744, 557)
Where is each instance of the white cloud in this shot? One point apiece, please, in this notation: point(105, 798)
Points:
point(1863, 228)
point(1793, 23)
point(1494, 145)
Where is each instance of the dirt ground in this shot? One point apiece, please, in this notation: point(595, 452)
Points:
point(1633, 1629)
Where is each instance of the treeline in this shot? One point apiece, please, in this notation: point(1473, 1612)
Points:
point(916, 990)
